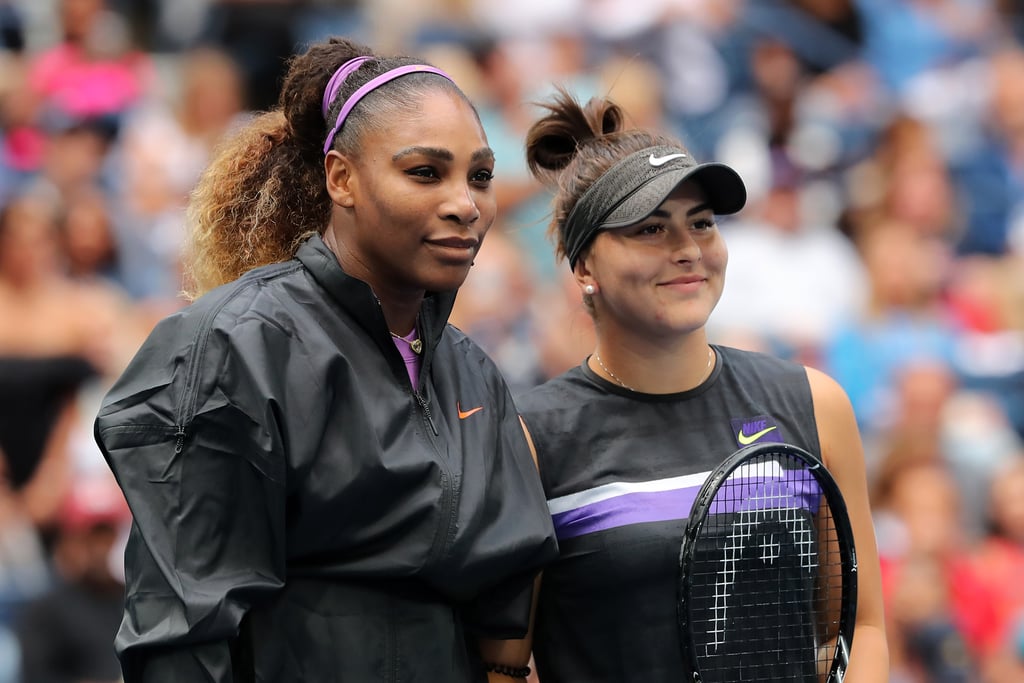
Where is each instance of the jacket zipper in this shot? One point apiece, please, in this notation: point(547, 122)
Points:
point(186, 404)
point(426, 410)
point(449, 485)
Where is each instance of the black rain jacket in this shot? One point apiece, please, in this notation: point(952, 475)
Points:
point(300, 513)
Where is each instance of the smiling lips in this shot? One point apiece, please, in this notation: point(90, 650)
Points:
point(455, 250)
point(455, 242)
point(685, 280)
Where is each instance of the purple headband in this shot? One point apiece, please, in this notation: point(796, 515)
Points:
point(344, 71)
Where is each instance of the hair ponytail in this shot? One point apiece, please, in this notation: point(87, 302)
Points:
point(263, 191)
point(238, 213)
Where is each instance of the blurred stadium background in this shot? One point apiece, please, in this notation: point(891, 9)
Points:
point(882, 142)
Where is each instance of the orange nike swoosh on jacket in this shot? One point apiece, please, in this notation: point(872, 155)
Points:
point(463, 414)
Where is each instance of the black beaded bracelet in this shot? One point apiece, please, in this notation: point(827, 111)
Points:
point(506, 670)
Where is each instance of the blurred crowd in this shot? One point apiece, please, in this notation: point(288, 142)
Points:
point(882, 143)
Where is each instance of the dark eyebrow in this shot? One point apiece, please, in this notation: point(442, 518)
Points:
point(435, 152)
point(484, 153)
point(700, 208)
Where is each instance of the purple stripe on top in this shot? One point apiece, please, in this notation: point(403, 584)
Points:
point(794, 489)
point(629, 508)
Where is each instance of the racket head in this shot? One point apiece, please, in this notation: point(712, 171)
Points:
point(767, 571)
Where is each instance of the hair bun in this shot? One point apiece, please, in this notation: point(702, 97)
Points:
point(554, 139)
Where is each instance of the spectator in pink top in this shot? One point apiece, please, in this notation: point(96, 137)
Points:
point(94, 71)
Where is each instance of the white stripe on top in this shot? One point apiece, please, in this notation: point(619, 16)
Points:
point(615, 489)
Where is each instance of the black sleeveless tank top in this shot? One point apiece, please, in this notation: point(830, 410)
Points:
point(620, 472)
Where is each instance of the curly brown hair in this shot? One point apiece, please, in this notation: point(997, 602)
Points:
point(264, 190)
point(573, 145)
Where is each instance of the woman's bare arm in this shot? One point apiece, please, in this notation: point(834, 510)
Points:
point(843, 453)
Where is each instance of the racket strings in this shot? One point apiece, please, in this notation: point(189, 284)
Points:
point(766, 584)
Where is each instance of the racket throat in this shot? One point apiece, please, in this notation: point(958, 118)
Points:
point(842, 660)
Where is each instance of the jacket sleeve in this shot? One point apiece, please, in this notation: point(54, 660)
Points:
point(521, 519)
point(503, 611)
point(203, 476)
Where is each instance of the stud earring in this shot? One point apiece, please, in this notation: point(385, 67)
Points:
point(589, 290)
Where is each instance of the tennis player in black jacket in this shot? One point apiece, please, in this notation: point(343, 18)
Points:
point(328, 482)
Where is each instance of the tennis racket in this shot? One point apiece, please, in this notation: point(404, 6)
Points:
point(768, 572)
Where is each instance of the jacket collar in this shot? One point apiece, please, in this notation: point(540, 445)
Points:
point(356, 297)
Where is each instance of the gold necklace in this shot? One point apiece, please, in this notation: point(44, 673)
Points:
point(707, 370)
point(610, 373)
point(415, 344)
